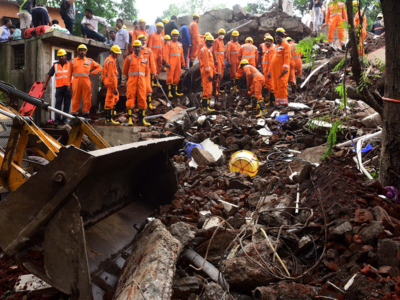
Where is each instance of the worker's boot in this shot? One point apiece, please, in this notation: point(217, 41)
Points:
point(151, 107)
point(191, 63)
point(130, 123)
point(253, 104)
point(108, 115)
point(169, 91)
point(114, 111)
point(235, 89)
point(263, 109)
point(265, 93)
point(176, 91)
point(298, 80)
point(153, 81)
point(142, 121)
point(267, 99)
point(294, 88)
point(85, 114)
point(205, 102)
point(272, 98)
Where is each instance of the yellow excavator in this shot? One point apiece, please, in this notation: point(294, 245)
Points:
point(72, 223)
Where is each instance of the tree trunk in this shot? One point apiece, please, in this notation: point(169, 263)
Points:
point(390, 154)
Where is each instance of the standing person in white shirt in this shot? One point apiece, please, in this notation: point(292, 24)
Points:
point(122, 41)
point(89, 26)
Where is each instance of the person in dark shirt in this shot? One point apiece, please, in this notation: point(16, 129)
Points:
point(185, 41)
point(377, 27)
point(171, 25)
point(63, 96)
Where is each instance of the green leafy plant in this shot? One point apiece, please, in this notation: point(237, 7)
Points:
point(307, 48)
point(339, 65)
point(336, 127)
point(380, 64)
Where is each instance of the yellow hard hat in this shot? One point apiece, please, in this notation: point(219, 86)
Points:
point(174, 32)
point(165, 21)
point(140, 36)
point(235, 33)
point(268, 38)
point(243, 61)
point(267, 34)
point(61, 52)
point(160, 24)
point(167, 37)
point(209, 38)
point(196, 15)
point(380, 15)
point(222, 31)
point(141, 21)
point(116, 49)
point(249, 39)
point(289, 39)
point(82, 46)
point(355, 3)
point(207, 34)
point(123, 26)
point(137, 43)
point(280, 29)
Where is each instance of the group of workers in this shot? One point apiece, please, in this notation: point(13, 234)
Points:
point(268, 70)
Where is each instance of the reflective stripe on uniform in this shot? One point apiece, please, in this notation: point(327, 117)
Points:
point(59, 77)
point(298, 56)
point(286, 66)
point(234, 52)
point(137, 73)
point(254, 74)
point(129, 58)
point(266, 62)
point(81, 74)
point(108, 61)
point(248, 56)
point(175, 54)
point(156, 47)
point(221, 53)
point(207, 69)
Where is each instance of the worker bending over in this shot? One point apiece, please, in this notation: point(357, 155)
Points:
point(80, 68)
point(135, 68)
point(261, 50)
point(232, 56)
point(280, 68)
point(195, 39)
point(156, 44)
point(377, 27)
point(361, 30)
point(269, 97)
point(207, 70)
point(335, 15)
point(296, 66)
point(110, 81)
point(63, 96)
point(255, 82)
point(174, 61)
point(147, 54)
point(247, 51)
point(218, 50)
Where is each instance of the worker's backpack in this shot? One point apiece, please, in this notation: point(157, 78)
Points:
point(63, 8)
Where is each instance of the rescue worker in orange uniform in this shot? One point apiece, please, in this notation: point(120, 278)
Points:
point(148, 55)
point(135, 68)
point(255, 82)
point(232, 56)
point(136, 32)
point(218, 50)
point(361, 33)
point(195, 38)
point(109, 76)
point(261, 50)
point(167, 39)
point(174, 61)
point(247, 51)
point(269, 97)
point(207, 70)
point(335, 14)
point(296, 65)
point(280, 68)
point(81, 68)
point(202, 44)
point(156, 44)
point(63, 96)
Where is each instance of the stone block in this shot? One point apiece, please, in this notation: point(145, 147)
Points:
point(202, 157)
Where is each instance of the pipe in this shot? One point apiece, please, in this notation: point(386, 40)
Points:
point(160, 115)
point(12, 91)
point(6, 113)
point(358, 160)
point(239, 27)
point(208, 268)
point(312, 73)
point(365, 138)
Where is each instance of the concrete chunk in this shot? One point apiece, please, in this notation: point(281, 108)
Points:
point(372, 121)
point(202, 157)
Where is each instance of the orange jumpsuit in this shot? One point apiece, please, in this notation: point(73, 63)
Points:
point(81, 85)
point(195, 38)
point(218, 50)
point(280, 62)
point(335, 14)
point(263, 48)
point(232, 56)
point(363, 32)
point(147, 54)
point(174, 57)
point(207, 69)
point(156, 44)
point(255, 80)
point(110, 80)
point(266, 65)
point(249, 51)
point(296, 65)
point(201, 45)
point(135, 68)
point(135, 34)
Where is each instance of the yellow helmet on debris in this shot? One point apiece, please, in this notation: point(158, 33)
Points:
point(222, 31)
point(82, 46)
point(160, 24)
point(137, 43)
point(167, 37)
point(209, 38)
point(249, 40)
point(175, 32)
point(235, 33)
point(243, 62)
point(61, 52)
point(116, 49)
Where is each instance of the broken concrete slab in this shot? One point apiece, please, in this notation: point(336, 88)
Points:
point(239, 12)
point(286, 290)
point(372, 121)
point(202, 157)
point(149, 270)
point(377, 57)
point(183, 232)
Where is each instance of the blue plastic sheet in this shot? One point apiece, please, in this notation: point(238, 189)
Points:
point(190, 146)
point(282, 118)
point(366, 149)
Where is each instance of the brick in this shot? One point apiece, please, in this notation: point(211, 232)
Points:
point(363, 216)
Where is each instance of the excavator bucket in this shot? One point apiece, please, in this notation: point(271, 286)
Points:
point(72, 223)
